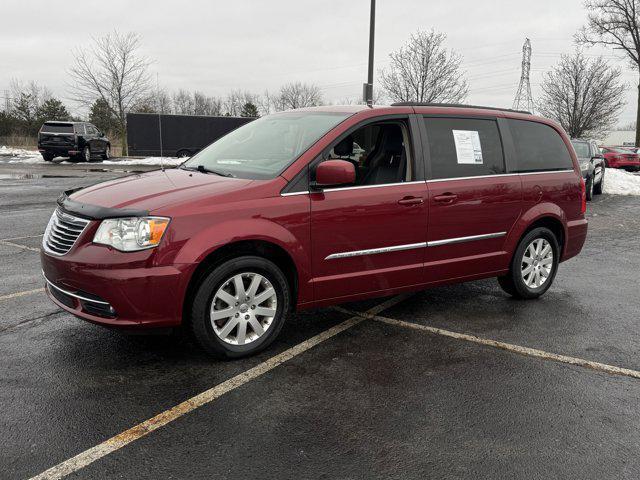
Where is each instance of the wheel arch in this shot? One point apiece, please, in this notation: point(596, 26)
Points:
point(254, 247)
point(546, 215)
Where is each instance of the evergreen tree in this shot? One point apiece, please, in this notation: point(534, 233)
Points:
point(52, 109)
point(102, 117)
point(249, 110)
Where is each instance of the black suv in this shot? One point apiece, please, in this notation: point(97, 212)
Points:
point(592, 165)
point(77, 140)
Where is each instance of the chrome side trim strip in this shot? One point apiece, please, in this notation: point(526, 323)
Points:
point(449, 241)
point(497, 175)
point(435, 180)
point(74, 295)
point(375, 251)
point(306, 192)
point(546, 171)
point(358, 187)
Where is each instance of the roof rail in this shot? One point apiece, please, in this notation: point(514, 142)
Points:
point(456, 105)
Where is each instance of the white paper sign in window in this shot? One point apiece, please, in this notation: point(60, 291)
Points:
point(468, 148)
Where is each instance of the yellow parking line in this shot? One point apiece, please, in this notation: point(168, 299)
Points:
point(21, 294)
point(138, 431)
point(531, 352)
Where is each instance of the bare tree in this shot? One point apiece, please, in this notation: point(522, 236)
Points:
point(183, 102)
point(298, 95)
point(112, 70)
point(615, 23)
point(583, 96)
point(424, 71)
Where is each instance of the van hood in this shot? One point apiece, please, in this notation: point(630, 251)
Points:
point(141, 193)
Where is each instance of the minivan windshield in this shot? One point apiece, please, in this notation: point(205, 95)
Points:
point(581, 148)
point(263, 148)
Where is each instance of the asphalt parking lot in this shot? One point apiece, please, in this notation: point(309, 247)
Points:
point(454, 382)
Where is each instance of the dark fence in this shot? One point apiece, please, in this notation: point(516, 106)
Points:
point(182, 135)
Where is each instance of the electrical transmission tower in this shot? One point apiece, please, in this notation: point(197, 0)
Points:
point(524, 100)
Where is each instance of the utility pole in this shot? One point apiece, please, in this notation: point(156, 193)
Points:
point(524, 99)
point(367, 91)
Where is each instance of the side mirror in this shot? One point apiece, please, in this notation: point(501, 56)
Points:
point(334, 173)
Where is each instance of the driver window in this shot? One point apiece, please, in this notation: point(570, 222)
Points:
point(379, 151)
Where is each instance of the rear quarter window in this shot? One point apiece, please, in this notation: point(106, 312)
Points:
point(539, 147)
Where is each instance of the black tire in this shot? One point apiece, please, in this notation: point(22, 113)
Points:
point(599, 187)
point(201, 323)
point(86, 154)
point(514, 282)
point(48, 156)
point(589, 188)
point(107, 152)
point(183, 154)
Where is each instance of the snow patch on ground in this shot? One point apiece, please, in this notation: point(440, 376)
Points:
point(621, 182)
point(166, 161)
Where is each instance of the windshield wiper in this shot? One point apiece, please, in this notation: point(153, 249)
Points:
point(203, 169)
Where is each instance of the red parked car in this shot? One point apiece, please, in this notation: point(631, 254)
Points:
point(619, 157)
point(316, 207)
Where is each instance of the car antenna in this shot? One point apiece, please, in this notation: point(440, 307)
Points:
point(159, 120)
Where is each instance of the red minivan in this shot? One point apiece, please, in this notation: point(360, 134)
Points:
point(316, 207)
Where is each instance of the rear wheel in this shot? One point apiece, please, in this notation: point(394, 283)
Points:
point(599, 187)
point(534, 265)
point(183, 154)
point(239, 307)
point(86, 154)
point(48, 156)
point(589, 186)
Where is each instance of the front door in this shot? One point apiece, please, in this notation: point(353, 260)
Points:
point(473, 202)
point(371, 237)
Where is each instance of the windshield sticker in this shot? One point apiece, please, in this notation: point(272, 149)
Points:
point(468, 148)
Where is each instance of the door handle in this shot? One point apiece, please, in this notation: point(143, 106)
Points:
point(411, 201)
point(446, 198)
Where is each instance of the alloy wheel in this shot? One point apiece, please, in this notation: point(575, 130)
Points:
point(243, 308)
point(107, 153)
point(537, 263)
point(87, 154)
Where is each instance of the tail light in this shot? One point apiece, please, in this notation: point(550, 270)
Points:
point(583, 188)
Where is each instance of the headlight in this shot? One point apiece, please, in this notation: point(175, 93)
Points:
point(132, 233)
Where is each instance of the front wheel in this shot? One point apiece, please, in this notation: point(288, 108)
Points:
point(534, 265)
point(239, 307)
point(107, 153)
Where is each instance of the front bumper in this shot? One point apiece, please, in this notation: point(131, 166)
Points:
point(125, 294)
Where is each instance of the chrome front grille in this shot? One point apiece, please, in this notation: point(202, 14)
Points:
point(62, 232)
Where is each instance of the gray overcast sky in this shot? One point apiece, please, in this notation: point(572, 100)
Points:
point(215, 46)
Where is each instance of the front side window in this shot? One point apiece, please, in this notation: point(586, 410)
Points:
point(379, 151)
point(538, 147)
point(464, 147)
point(263, 148)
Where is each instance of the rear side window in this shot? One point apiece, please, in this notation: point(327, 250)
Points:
point(464, 147)
point(538, 147)
point(57, 128)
